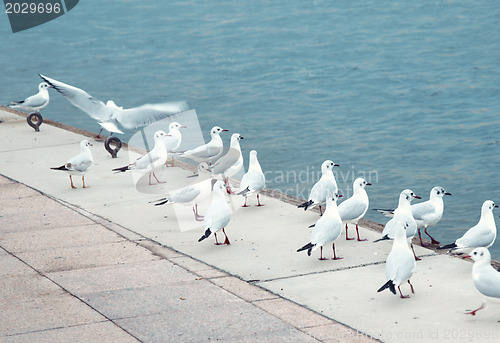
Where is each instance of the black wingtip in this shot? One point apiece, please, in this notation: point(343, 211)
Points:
point(306, 205)
point(63, 167)
point(121, 169)
point(308, 246)
point(245, 191)
point(384, 238)
point(448, 246)
point(205, 235)
point(162, 202)
point(389, 284)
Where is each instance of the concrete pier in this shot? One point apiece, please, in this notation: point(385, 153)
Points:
point(104, 264)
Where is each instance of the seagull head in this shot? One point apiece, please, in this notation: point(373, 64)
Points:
point(438, 192)
point(85, 144)
point(44, 85)
point(328, 165)
point(408, 195)
point(160, 134)
point(488, 206)
point(217, 130)
point(480, 254)
point(360, 183)
point(175, 126)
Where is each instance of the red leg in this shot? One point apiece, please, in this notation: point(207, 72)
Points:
point(258, 201)
point(197, 217)
point(357, 232)
point(245, 205)
point(321, 258)
point(150, 179)
point(334, 255)
point(227, 239)
point(412, 290)
point(71, 180)
point(477, 309)
point(402, 296)
point(433, 241)
point(99, 134)
point(83, 180)
point(217, 242)
point(416, 258)
point(346, 236)
point(157, 179)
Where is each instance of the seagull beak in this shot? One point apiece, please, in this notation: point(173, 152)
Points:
point(224, 130)
point(466, 256)
point(183, 127)
point(495, 205)
point(336, 165)
point(368, 184)
point(91, 144)
point(447, 193)
point(417, 197)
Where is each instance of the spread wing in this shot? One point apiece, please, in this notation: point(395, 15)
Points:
point(146, 114)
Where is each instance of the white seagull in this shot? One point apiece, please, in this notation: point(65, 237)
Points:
point(402, 214)
point(193, 193)
point(481, 235)
point(427, 213)
point(109, 115)
point(209, 152)
point(174, 138)
point(325, 185)
point(327, 229)
point(354, 208)
point(151, 161)
point(486, 278)
point(79, 164)
point(231, 163)
point(400, 264)
point(218, 214)
point(35, 102)
point(254, 180)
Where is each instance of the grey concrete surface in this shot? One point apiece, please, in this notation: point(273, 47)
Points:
point(303, 297)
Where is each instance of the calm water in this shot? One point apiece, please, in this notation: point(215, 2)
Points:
point(405, 93)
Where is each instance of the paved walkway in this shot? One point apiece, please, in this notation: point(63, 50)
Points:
point(104, 261)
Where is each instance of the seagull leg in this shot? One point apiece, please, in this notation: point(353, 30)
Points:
point(421, 242)
point(433, 241)
point(258, 201)
point(245, 205)
point(347, 238)
point(320, 211)
point(228, 186)
point(83, 180)
point(71, 180)
point(357, 232)
point(477, 309)
point(157, 179)
point(416, 258)
point(227, 239)
point(321, 258)
point(197, 217)
point(216, 242)
point(335, 255)
point(150, 179)
point(98, 137)
point(412, 290)
point(402, 296)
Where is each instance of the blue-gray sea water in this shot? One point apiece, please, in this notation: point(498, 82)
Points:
point(405, 93)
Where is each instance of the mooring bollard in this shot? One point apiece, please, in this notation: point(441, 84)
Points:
point(114, 141)
point(38, 121)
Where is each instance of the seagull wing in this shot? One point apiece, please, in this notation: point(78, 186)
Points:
point(146, 114)
point(95, 108)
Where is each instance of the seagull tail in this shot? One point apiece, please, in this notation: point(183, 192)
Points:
point(63, 167)
point(205, 235)
point(384, 238)
point(162, 201)
point(389, 284)
point(306, 204)
point(309, 247)
point(15, 103)
point(245, 191)
point(311, 226)
point(122, 169)
point(450, 246)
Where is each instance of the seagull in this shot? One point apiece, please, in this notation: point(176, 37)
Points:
point(481, 235)
point(209, 152)
point(151, 161)
point(35, 102)
point(354, 208)
point(192, 193)
point(427, 213)
point(402, 214)
point(174, 139)
point(231, 163)
point(218, 214)
point(327, 229)
point(254, 180)
point(400, 264)
point(486, 278)
point(109, 115)
point(79, 164)
point(326, 184)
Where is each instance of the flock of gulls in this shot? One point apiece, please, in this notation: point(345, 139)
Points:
point(216, 167)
